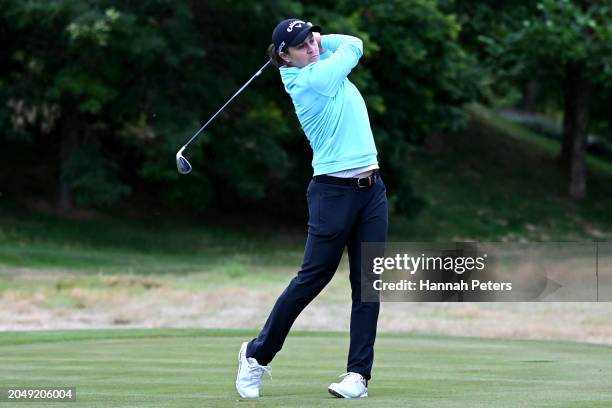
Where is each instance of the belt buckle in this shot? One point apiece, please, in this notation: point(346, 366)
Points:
point(369, 179)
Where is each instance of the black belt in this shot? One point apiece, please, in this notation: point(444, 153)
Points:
point(363, 182)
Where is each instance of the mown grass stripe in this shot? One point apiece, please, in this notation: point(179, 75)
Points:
point(409, 371)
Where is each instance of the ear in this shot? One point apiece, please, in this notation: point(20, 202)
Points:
point(285, 56)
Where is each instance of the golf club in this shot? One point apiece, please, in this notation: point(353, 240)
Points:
point(182, 164)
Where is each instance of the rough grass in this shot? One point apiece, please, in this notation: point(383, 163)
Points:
point(178, 368)
point(116, 245)
point(497, 181)
point(34, 299)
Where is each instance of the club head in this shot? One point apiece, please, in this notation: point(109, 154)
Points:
point(182, 164)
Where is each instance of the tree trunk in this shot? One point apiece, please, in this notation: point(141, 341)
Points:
point(577, 94)
point(569, 120)
point(68, 145)
point(530, 94)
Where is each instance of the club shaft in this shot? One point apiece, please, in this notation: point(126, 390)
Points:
point(227, 103)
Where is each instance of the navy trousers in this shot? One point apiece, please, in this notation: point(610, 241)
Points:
point(339, 216)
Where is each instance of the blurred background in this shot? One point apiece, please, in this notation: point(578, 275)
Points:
point(492, 121)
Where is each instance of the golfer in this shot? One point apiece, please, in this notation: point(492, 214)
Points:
point(347, 201)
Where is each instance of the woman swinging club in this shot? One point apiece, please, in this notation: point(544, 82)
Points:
point(347, 201)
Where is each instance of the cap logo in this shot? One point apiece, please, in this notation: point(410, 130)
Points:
point(297, 23)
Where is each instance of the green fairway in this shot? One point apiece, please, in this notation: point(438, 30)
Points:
point(195, 368)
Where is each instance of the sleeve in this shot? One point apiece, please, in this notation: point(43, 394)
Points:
point(327, 75)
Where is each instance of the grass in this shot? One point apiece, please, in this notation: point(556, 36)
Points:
point(497, 181)
point(523, 134)
point(113, 245)
point(172, 368)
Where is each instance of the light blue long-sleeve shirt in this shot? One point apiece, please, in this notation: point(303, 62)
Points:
point(330, 109)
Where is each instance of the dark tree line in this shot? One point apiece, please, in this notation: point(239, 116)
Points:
point(112, 89)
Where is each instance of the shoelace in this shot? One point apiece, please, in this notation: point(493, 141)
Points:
point(257, 371)
point(354, 377)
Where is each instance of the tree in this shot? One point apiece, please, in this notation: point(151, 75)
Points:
point(121, 85)
point(496, 19)
point(566, 43)
point(414, 75)
point(89, 74)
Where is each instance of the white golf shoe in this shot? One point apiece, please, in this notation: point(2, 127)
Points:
point(249, 375)
point(352, 386)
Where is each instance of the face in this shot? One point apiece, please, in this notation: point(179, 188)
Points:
point(302, 54)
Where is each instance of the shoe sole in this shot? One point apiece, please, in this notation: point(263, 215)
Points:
point(337, 394)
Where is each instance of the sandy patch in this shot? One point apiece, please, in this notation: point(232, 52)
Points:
point(128, 301)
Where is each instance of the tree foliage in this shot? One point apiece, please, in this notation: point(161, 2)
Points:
point(115, 88)
point(102, 68)
point(564, 45)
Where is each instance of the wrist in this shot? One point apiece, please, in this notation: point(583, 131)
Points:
point(319, 39)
